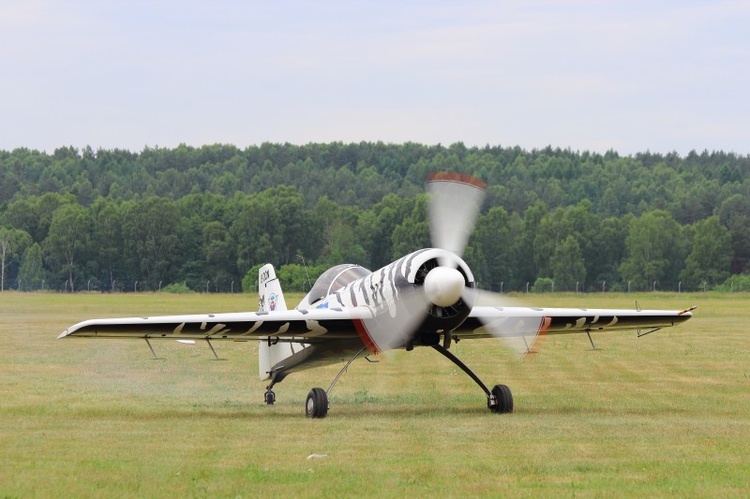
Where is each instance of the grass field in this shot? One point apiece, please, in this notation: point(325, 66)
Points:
point(668, 414)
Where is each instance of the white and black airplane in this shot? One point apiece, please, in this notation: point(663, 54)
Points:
point(426, 298)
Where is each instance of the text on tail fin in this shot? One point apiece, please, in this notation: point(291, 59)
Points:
point(270, 297)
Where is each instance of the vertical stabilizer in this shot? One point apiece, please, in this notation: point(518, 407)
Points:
point(270, 299)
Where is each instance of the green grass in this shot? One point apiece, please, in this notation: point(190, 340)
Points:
point(668, 414)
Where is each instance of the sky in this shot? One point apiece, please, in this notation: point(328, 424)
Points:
point(630, 75)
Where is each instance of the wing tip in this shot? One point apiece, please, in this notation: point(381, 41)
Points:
point(687, 311)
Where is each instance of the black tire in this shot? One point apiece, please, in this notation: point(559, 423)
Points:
point(316, 405)
point(503, 398)
point(270, 397)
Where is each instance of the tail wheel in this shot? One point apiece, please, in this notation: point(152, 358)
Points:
point(503, 400)
point(316, 405)
point(270, 397)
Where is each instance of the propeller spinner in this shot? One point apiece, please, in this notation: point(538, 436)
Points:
point(444, 286)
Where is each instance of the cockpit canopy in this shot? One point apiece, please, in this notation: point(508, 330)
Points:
point(331, 281)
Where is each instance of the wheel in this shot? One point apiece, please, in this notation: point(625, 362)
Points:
point(270, 397)
point(316, 405)
point(503, 400)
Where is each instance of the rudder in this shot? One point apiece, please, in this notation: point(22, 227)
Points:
point(270, 299)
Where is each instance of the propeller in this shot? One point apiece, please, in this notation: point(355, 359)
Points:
point(520, 331)
point(455, 200)
point(454, 203)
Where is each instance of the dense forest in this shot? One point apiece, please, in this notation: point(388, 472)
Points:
point(206, 218)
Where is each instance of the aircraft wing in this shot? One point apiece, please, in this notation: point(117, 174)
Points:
point(526, 321)
point(320, 325)
point(293, 325)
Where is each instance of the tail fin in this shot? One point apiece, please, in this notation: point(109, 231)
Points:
point(270, 299)
point(269, 290)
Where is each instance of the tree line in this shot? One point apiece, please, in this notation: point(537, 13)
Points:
point(206, 218)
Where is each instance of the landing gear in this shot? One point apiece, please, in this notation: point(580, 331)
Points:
point(316, 405)
point(269, 397)
point(499, 400)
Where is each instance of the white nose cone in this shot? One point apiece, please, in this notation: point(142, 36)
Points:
point(444, 286)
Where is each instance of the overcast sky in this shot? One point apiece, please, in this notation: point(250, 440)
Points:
point(589, 75)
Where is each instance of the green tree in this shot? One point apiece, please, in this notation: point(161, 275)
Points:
point(710, 258)
point(107, 242)
point(734, 214)
point(67, 243)
point(250, 279)
point(413, 232)
point(152, 241)
point(524, 244)
point(553, 228)
point(190, 259)
point(375, 228)
point(543, 285)
point(13, 242)
point(34, 214)
point(611, 250)
point(568, 268)
point(31, 273)
point(339, 234)
point(587, 230)
point(219, 253)
point(297, 278)
point(653, 245)
point(273, 227)
point(493, 241)
point(272, 217)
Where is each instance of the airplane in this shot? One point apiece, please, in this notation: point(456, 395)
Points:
point(427, 298)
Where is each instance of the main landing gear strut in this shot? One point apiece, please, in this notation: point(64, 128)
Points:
point(499, 399)
point(316, 404)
